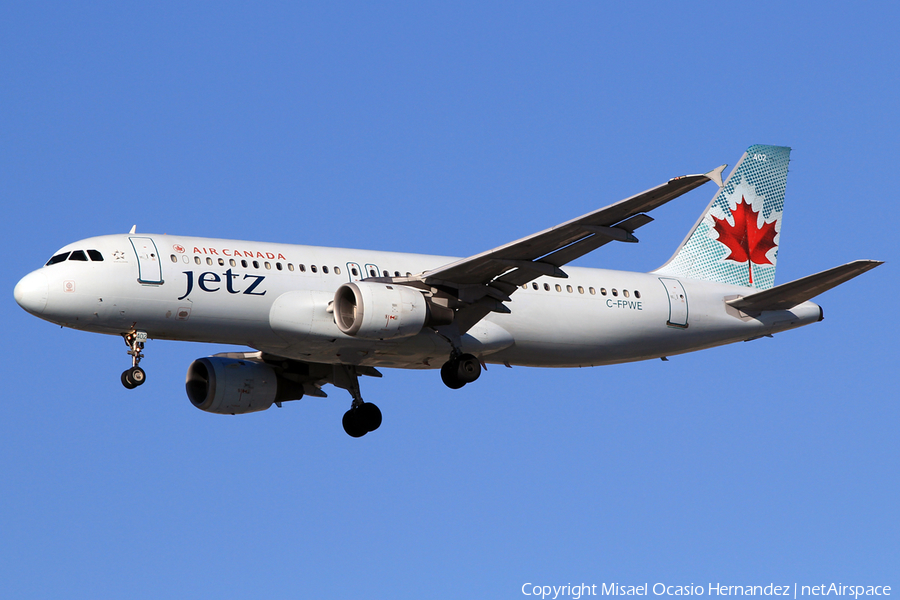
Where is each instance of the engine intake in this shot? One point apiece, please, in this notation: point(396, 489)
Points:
point(230, 386)
point(380, 311)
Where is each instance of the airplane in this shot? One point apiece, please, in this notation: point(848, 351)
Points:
point(315, 316)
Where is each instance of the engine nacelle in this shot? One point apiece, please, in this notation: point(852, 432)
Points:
point(380, 311)
point(230, 386)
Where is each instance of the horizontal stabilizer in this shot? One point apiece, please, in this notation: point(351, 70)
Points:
point(789, 295)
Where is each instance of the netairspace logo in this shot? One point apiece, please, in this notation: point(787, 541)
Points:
point(713, 589)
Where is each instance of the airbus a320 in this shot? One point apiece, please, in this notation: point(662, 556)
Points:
point(315, 316)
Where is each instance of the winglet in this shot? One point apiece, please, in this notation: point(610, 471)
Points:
point(133, 229)
point(716, 175)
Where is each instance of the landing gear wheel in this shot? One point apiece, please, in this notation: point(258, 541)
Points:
point(361, 420)
point(126, 380)
point(137, 375)
point(450, 375)
point(371, 416)
point(461, 370)
point(133, 377)
point(354, 424)
point(468, 368)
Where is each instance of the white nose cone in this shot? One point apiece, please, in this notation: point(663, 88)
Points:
point(31, 292)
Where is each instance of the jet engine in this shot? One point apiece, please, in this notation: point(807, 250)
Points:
point(230, 386)
point(382, 311)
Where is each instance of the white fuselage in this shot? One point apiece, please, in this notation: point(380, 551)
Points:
point(275, 298)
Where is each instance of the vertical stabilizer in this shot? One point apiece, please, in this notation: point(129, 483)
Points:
point(736, 240)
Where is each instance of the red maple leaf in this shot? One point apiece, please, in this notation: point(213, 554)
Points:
point(746, 242)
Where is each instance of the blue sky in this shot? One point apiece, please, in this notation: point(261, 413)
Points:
point(449, 129)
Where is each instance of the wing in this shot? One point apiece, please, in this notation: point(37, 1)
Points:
point(478, 285)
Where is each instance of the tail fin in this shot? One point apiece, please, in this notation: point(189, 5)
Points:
point(736, 240)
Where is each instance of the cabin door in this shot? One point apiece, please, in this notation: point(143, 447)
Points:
point(149, 266)
point(678, 305)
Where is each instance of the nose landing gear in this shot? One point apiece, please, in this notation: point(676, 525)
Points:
point(135, 376)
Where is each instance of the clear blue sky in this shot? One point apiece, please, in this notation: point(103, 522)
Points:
point(449, 128)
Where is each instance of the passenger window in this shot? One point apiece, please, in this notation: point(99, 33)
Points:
point(408, 274)
point(637, 294)
point(546, 287)
point(354, 271)
point(278, 266)
point(592, 291)
point(58, 258)
point(396, 273)
point(78, 255)
point(373, 273)
point(290, 266)
point(615, 293)
point(221, 262)
point(231, 262)
point(312, 268)
point(387, 273)
point(244, 263)
point(255, 264)
point(558, 288)
point(268, 265)
point(174, 258)
point(302, 268)
point(337, 270)
point(580, 290)
point(95, 255)
point(209, 261)
point(325, 269)
point(625, 293)
point(569, 288)
point(197, 259)
point(534, 285)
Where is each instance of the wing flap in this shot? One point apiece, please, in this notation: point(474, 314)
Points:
point(789, 295)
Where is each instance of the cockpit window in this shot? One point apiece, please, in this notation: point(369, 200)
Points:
point(95, 255)
point(78, 255)
point(58, 258)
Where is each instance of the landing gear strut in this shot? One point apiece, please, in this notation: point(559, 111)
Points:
point(135, 376)
point(460, 370)
point(362, 417)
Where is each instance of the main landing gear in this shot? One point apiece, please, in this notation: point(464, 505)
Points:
point(135, 376)
point(460, 370)
point(362, 417)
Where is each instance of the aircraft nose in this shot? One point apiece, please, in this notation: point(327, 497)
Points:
point(31, 292)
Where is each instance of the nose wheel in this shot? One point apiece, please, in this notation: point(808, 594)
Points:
point(135, 376)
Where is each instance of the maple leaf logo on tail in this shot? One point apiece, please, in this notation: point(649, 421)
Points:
point(745, 240)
